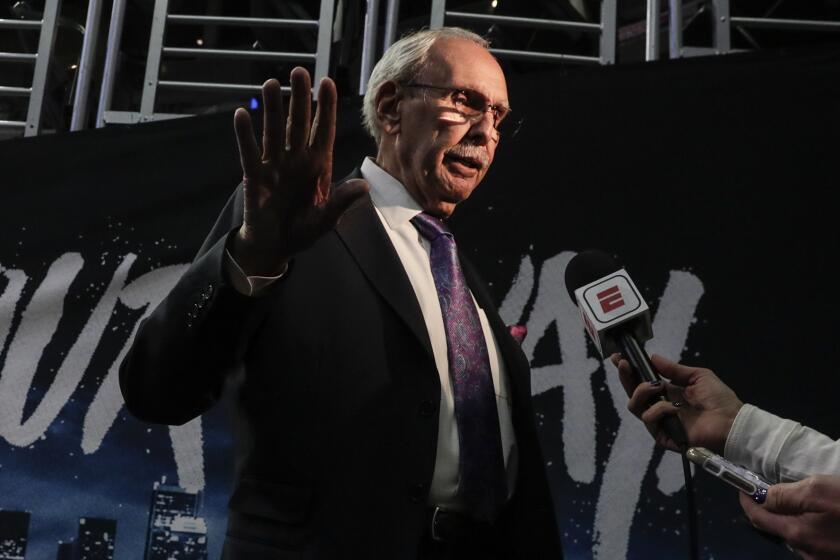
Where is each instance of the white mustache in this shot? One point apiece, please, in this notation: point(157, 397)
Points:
point(472, 152)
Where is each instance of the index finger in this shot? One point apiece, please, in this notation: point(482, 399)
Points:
point(675, 372)
point(323, 128)
point(628, 380)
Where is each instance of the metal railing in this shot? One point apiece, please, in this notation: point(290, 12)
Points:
point(41, 59)
point(723, 23)
point(90, 39)
point(157, 50)
point(721, 32)
point(606, 30)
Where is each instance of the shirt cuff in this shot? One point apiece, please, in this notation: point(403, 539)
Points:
point(756, 440)
point(252, 286)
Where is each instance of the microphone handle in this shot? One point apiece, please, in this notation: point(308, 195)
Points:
point(641, 365)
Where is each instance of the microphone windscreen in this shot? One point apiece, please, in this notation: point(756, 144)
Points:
point(586, 267)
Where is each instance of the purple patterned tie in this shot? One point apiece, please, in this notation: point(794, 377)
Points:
point(482, 486)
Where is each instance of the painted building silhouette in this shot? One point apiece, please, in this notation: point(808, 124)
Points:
point(175, 529)
point(14, 530)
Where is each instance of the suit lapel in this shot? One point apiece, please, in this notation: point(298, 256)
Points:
point(362, 233)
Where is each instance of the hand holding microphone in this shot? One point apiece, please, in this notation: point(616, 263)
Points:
point(705, 405)
point(694, 408)
point(617, 320)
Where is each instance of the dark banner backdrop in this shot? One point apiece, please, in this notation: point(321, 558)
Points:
point(710, 179)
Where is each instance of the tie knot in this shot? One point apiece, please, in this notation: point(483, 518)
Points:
point(430, 227)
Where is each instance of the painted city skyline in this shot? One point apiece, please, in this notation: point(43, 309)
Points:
point(175, 528)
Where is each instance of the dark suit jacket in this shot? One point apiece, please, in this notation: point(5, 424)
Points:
point(336, 414)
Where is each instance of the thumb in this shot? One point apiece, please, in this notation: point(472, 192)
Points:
point(342, 198)
point(788, 497)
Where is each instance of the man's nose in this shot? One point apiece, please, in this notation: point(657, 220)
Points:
point(483, 129)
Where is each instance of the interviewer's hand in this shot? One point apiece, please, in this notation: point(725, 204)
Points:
point(288, 203)
point(805, 513)
point(704, 404)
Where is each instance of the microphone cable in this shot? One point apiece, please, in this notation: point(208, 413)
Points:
point(691, 510)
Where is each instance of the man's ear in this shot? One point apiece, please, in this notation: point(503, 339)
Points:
point(387, 104)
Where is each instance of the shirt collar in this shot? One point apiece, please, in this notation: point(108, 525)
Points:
point(389, 196)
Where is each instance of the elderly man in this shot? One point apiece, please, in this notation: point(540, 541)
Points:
point(384, 410)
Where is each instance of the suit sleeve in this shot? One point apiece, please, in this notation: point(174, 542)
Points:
point(177, 364)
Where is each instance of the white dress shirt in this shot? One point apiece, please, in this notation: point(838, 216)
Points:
point(395, 208)
point(779, 450)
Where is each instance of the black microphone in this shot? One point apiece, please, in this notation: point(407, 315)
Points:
point(617, 319)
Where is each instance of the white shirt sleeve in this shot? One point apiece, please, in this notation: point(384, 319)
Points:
point(779, 450)
point(252, 286)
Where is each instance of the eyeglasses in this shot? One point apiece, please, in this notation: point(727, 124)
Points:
point(472, 106)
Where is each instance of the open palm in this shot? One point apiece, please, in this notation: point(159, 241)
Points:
point(289, 202)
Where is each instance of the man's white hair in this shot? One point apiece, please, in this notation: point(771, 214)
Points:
point(403, 61)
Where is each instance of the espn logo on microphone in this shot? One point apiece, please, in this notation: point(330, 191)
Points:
point(609, 302)
point(612, 298)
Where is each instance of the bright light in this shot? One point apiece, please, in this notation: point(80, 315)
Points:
point(255, 104)
point(199, 42)
point(494, 3)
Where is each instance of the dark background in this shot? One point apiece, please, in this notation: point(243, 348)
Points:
point(724, 166)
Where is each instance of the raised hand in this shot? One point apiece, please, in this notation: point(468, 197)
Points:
point(705, 404)
point(288, 199)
